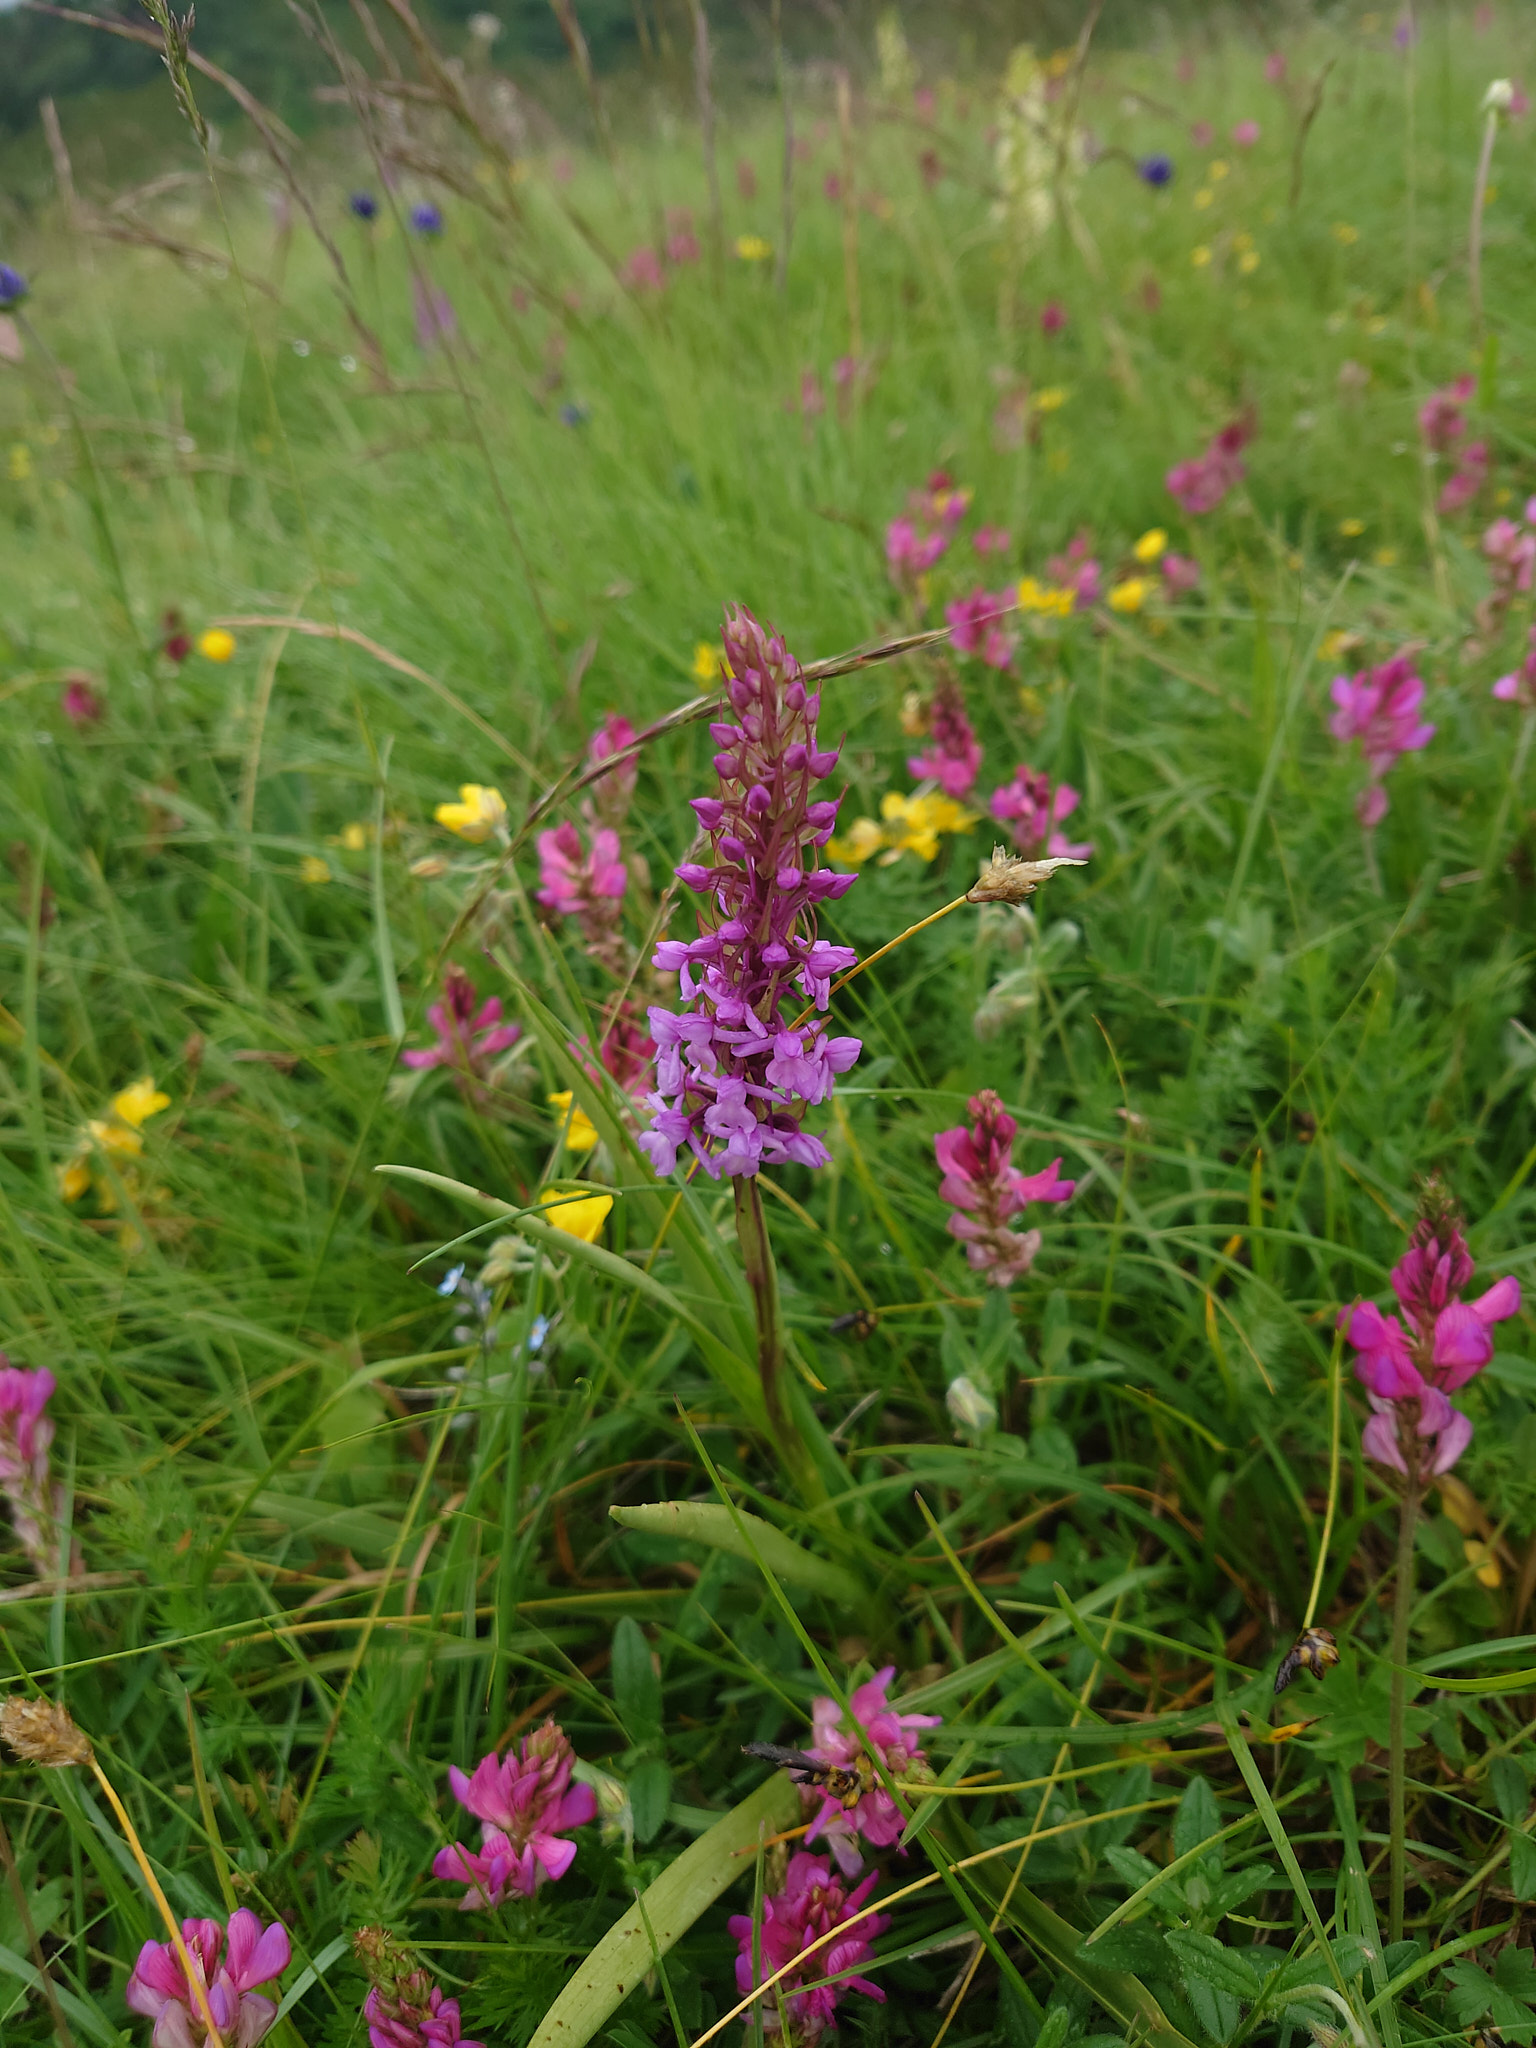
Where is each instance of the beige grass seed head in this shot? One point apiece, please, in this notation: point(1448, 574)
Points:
point(1009, 878)
point(41, 1733)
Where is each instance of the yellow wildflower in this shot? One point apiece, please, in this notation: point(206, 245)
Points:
point(1350, 528)
point(1248, 262)
point(752, 249)
point(21, 463)
point(1343, 232)
point(74, 1179)
point(354, 837)
point(313, 870)
point(862, 839)
point(578, 1130)
point(136, 1104)
point(1054, 602)
point(479, 812)
point(915, 718)
point(914, 823)
point(1200, 256)
point(1052, 398)
point(1151, 545)
point(1204, 197)
point(706, 662)
point(580, 1216)
point(216, 644)
point(1218, 170)
point(1130, 595)
point(1334, 643)
point(1385, 558)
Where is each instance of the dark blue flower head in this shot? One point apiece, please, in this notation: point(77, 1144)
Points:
point(1156, 169)
point(13, 287)
point(364, 205)
point(427, 219)
point(574, 415)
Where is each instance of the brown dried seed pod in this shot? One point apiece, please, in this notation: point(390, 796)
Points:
point(41, 1732)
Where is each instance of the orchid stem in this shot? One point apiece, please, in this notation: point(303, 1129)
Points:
point(1402, 1602)
point(763, 1280)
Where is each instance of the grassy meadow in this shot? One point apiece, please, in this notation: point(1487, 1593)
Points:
point(375, 1378)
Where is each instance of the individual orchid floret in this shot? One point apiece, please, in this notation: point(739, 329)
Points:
point(1379, 707)
point(812, 1903)
point(1519, 686)
point(587, 883)
point(953, 755)
point(1200, 484)
point(229, 1968)
point(1409, 1367)
point(878, 1735)
point(26, 1432)
point(527, 1805)
point(985, 1189)
point(1033, 812)
point(404, 2007)
point(1442, 422)
point(976, 627)
point(739, 1064)
point(469, 1033)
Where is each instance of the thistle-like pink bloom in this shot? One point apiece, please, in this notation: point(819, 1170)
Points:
point(527, 1804)
point(812, 1903)
point(1032, 810)
point(953, 759)
point(1077, 569)
point(642, 271)
point(612, 794)
point(1519, 687)
point(159, 1987)
point(81, 703)
point(26, 1432)
point(585, 883)
point(1467, 479)
point(1441, 419)
point(1379, 707)
point(878, 1732)
point(734, 1073)
point(468, 1037)
point(1200, 484)
point(976, 627)
point(1181, 574)
point(1408, 1368)
point(1245, 133)
point(984, 1188)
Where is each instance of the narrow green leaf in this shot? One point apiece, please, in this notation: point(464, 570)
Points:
point(685, 1890)
point(707, 1522)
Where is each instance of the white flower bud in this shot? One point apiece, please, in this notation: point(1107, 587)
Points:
point(971, 1408)
point(1499, 97)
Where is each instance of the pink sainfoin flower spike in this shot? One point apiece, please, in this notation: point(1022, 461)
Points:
point(1379, 707)
point(682, 242)
point(878, 1731)
point(404, 2008)
point(976, 627)
point(984, 1188)
point(735, 1073)
point(1467, 479)
point(643, 272)
point(610, 797)
point(1077, 569)
point(1033, 812)
point(953, 759)
point(468, 1037)
point(527, 1805)
point(812, 1903)
point(81, 703)
point(1200, 484)
point(991, 540)
point(1181, 574)
point(1408, 1372)
point(1519, 687)
point(1441, 419)
point(230, 1969)
point(586, 883)
point(1245, 133)
point(26, 1432)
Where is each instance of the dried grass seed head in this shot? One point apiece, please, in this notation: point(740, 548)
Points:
point(1009, 878)
point(42, 1733)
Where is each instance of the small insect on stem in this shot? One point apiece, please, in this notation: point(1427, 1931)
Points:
point(861, 1323)
point(1315, 1647)
point(847, 1785)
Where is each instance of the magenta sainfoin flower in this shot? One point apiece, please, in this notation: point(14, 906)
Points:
point(953, 758)
point(682, 242)
point(1519, 687)
point(1032, 810)
point(1077, 569)
point(985, 1189)
point(643, 272)
point(81, 702)
point(878, 1732)
point(735, 1073)
point(229, 1969)
point(404, 2008)
point(1181, 574)
point(585, 882)
point(1409, 1368)
point(813, 1903)
point(26, 1432)
point(914, 542)
point(1467, 479)
point(469, 1033)
point(1441, 419)
point(527, 1804)
point(976, 627)
point(612, 794)
point(628, 1050)
point(1379, 707)
point(1200, 484)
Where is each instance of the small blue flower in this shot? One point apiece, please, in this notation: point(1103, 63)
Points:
point(1156, 170)
point(364, 205)
point(574, 415)
point(427, 219)
point(13, 287)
